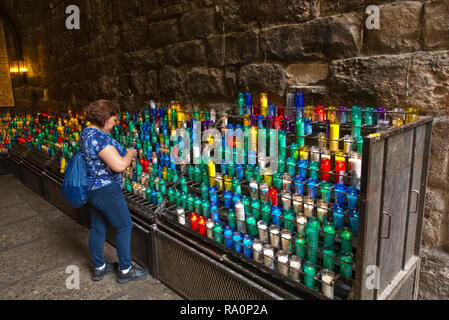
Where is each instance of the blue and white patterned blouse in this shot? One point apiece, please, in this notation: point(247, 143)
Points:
point(91, 142)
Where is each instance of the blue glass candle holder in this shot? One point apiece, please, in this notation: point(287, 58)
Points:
point(228, 237)
point(340, 196)
point(312, 188)
point(354, 221)
point(213, 194)
point(227, 199)
point(339, 217)
point(299, 185)
point(240, 171)
point(303, 164)
point(276, 213)
point(353, 196)
point(247, 249)
point(214, 212)
point(236, 198)
point(237, 239)
point(308, 126)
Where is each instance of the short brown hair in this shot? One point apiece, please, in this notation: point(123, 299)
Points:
point(99, 111)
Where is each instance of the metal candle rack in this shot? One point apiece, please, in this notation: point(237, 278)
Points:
point(378, 152)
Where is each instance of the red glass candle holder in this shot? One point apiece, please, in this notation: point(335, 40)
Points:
point(277, 123)
point(202, 225)
point(320, 114)
point(325, 169)
point(273, 195)
point(281, 111)
point(256, 109)
point(340, 168)
point(194, 221)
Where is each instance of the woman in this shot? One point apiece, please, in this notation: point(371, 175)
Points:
point(105, 162)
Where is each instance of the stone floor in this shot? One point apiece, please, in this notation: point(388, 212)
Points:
point(38, 242)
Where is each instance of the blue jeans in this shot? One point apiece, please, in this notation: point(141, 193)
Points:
point(108, 204)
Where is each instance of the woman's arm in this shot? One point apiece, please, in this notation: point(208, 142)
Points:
point(113, 159)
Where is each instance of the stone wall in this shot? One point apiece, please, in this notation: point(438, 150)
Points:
point(204, 51)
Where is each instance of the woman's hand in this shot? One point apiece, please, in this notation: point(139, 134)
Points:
point(132, 152)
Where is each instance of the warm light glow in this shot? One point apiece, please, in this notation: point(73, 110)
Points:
point(18, 66)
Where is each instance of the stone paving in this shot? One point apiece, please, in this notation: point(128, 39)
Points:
point(38, 242)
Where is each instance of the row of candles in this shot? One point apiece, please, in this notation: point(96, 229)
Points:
point(53, 134)
point(154, 188)
point(294, 109)
point(271, 237)
point(325, 165)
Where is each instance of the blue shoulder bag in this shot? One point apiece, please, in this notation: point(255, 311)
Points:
point(75, 188)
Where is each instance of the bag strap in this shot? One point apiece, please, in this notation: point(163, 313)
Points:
point(96, 175)
point(92, 185)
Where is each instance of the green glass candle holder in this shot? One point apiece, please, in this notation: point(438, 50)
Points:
point(258, 177)
point(346, 240)
point(277, 180)
point(206, 208)
point(294, 151)
point(247, 205)
point(329, 257)
point(231, 170)
point(232, 219)
point(266, 212)
point(300, 246)
point(289, 217)
point(309, 275)
point(300, 132)
point(356, 128)
point(252, 226)
point(255, 209)
point(325, 189)
point(249, 173)
point(281, 165)
point(171, 195)
point(314, 170)
point(204, 191)
point(178, 198)
point(198, 174)
point(329, 233)
point(236, 186)
point(346, 264)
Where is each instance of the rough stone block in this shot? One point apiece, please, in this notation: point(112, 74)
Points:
point(439, 153)
point(228, 16)
point(279, 12)
point(144, 82)
point(330, 7)
point(434, 276)
point(436, 25)
point(419, 79)
point(170, 80)
point(205, 82)
point(186, 53)
point(134, 34)
point(400, 29)
point(436, 200)
point(197, 24)
point(151, 58)
point(307, 73)
point(163, 33)
point(325, 38)
point(238, 48)
point(262, 77)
